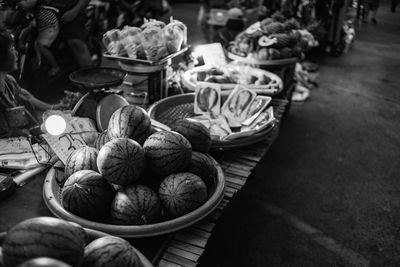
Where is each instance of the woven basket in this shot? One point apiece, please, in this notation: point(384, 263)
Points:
point(171, 109)
point(52, 197)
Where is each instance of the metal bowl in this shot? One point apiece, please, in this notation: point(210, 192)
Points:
point(97, 78)
point(52, 198)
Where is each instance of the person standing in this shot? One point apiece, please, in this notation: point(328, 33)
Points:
point(73, 29)
point(394, 5)
point(11, 94)
point(373, 7)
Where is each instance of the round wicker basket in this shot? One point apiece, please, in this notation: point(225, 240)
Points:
point(52, 198)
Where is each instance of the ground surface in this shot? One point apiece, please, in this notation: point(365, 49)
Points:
point(334, 166)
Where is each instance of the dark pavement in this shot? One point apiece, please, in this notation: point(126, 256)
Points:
point(335, 166)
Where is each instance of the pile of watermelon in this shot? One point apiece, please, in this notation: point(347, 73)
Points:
point(133, 176)
point(47, 241)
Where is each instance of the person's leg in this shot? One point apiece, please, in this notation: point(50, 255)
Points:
point(81, 52)
point(374, 10)
point(394, 5)
point(74, 33)
point(44, 40)
point(48, 55)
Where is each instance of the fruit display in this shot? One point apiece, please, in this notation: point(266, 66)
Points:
point(87, 194)
point(153, 41)
point(83, 158)
point(195, 132)
point(49, 242)
point(110, 251)
point(101, 139)
point(136, 205)
point(181, 193)
point(272, 39)
point(129, 122)
point(232, 74)
point(121, 161)
point(168, 152)
point(137, 185)
point(203, 166)
point(43, 237)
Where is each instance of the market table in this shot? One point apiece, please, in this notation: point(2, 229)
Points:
point(182, 248)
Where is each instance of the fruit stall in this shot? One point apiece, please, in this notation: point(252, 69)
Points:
point(141, 173)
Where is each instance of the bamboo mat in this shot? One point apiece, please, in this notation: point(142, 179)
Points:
point(184, 248)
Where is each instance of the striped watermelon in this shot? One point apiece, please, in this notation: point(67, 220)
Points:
point(182, 193)
point(101, 139)
point(195, 132)
point(83, 158)
point(121, 161)
point(111, 251)
point(44, 262)
point(130, 122)
point(43, 237)
point(137, 205)
point(87, 194)
point(203, 166)
point(167, 152)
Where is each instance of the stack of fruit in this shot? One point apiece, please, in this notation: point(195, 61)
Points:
point(133, 177)
point(271, 39)
point(152, 41)
point(47, 241)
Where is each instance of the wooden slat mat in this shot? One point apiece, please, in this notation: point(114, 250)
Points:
point(187, 245)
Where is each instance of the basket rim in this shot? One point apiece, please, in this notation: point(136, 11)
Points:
point(134, 231)
point(229, 86)
point(216, 144)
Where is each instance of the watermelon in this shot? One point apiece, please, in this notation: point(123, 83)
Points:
point(167, 152)
point(195, 132)
point(87, 194)
point(130, 122)
point(203, 166)
point(137, 205)
point(43, 237)
point(83, 158)
point(182, 193)
point(101, 139)
point(44, 262)
point(111, 251)
point(121, 161)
